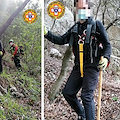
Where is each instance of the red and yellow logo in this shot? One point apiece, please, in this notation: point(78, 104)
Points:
point(30, 16)
point(56, 10)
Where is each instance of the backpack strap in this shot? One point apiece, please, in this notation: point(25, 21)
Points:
point(91, 29)
point(73, 30)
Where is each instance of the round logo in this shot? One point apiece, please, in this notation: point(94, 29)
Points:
point(56, 10)
point(30, 16)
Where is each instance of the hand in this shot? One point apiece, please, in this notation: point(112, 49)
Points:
point(1, 53)
point(103, 63)
point(45, 30)
point(12, 57)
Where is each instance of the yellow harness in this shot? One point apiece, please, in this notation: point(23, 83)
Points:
point(81, 58)
point(81, 43)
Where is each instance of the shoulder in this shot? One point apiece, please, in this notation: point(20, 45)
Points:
point(15, 45)
point(99, 23)
point(73, 28)
point(100, 27)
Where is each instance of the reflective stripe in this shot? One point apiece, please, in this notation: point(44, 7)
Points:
point(96, 49)
point(91, 51)
point(81, 58)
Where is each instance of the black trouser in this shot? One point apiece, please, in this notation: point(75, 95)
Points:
point(88, 84)
point(17, 62)
point(1, 69)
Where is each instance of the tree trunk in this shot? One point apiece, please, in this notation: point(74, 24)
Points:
point(65, 63)
point(11, 18)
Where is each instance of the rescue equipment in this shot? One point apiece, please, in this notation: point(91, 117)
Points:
point(81, 43)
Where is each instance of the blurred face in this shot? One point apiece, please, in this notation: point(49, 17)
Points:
point(11, 43)
point(82, 4)
point(82, 11)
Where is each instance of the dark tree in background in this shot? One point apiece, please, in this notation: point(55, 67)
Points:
point(11, 18)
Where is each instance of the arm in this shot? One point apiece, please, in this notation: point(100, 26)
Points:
point(104, 40)
point(60, 40)
point(16, 49)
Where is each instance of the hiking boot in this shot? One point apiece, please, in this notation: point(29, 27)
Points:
point(81, 118)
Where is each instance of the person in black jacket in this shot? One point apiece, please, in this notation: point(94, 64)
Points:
point(1, 54)
point(84, 75)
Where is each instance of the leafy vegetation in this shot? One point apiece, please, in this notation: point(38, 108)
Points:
point(27, 35)
point(25, 102)
point(11, 107)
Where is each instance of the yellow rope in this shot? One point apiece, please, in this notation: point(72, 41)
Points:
point(81, 58)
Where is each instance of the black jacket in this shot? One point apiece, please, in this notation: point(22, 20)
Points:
point(101, 36)
point(1, 46)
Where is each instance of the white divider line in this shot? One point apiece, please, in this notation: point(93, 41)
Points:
point(42, 61)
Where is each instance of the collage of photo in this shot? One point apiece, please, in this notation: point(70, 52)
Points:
point(60, 60)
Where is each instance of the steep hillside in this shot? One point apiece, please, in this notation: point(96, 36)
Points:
point(59, 108)
point(19, 93)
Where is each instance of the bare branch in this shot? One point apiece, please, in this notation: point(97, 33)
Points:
point(97, 9)
point(111, 24)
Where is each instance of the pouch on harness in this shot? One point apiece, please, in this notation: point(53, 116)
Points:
point(91, 47)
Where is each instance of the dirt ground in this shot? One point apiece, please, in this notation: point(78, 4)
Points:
point(59, 108)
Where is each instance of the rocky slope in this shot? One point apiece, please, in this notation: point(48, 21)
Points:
point(19, 93)
point(59, 108)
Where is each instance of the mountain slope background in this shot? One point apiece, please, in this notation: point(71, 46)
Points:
point(20, 91)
